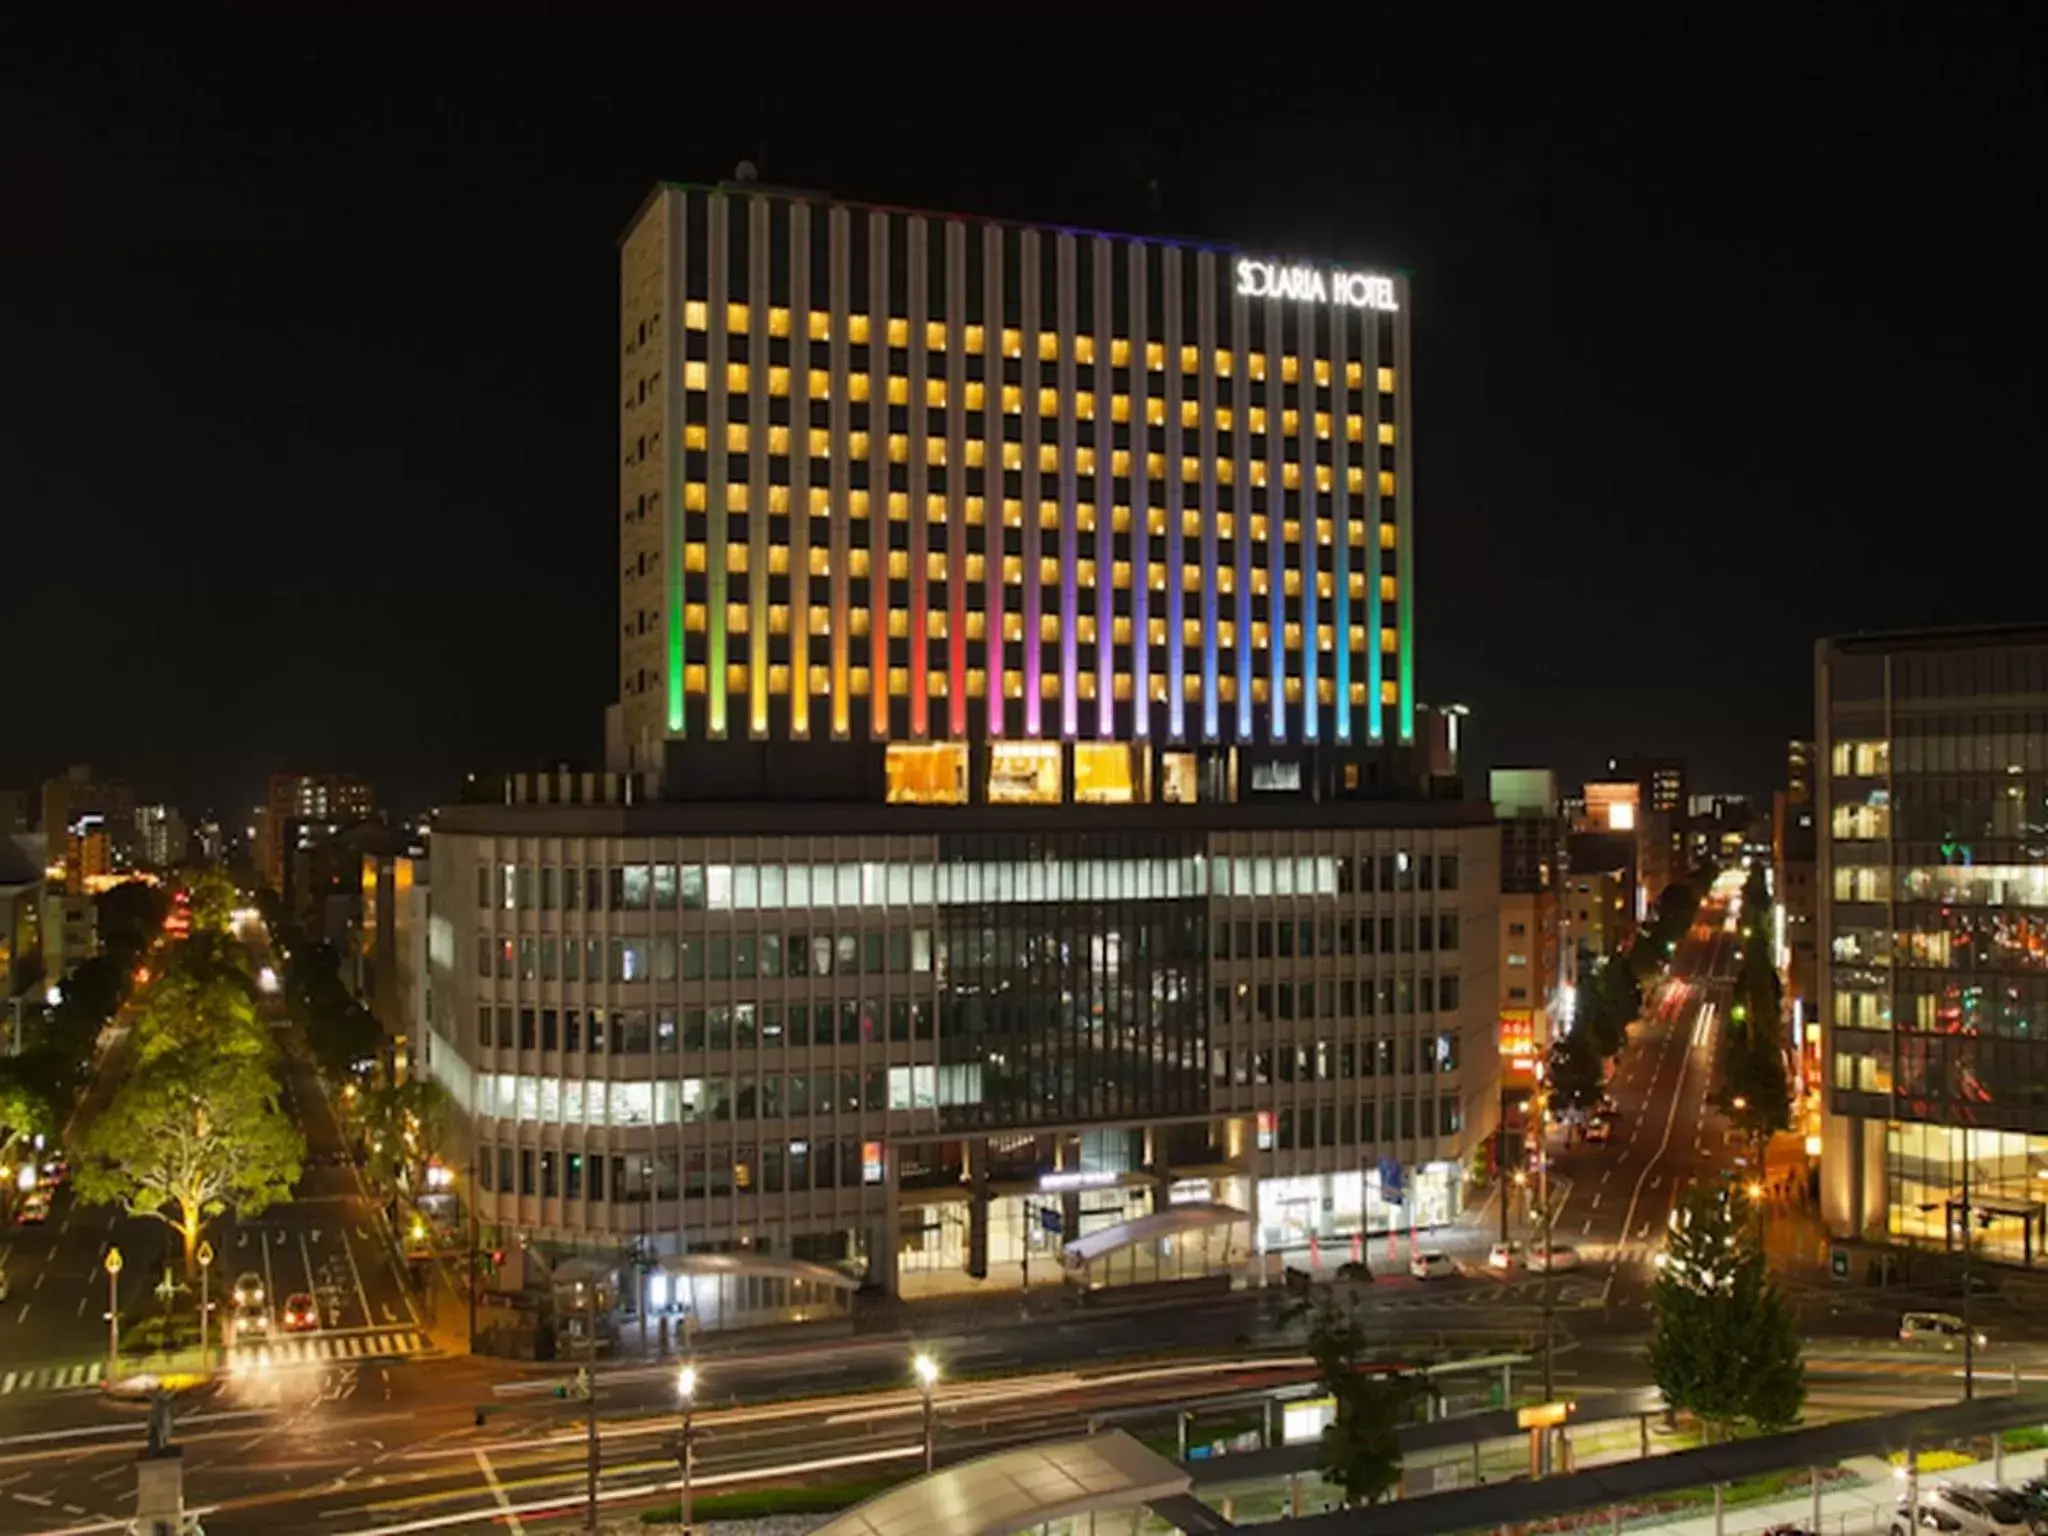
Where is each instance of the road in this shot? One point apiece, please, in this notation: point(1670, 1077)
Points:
point(326, 1241)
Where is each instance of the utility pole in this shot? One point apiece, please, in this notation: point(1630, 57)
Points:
point(590, 1397)
point(469, 1199)
point(1969, 1315)
point(1540, 1101)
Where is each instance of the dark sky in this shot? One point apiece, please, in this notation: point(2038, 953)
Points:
point(1725, 337)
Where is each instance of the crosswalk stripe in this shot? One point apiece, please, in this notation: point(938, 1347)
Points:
point(8, 1385)
point(94, 1372)
point(384, 1344)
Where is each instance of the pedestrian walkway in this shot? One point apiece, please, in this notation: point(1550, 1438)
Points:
point(337, 1348)
point(52, 1378)
point(1864, 1507)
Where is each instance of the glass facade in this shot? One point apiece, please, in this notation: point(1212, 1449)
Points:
point(1935, 767)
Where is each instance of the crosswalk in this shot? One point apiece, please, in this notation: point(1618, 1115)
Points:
point(320, 1349)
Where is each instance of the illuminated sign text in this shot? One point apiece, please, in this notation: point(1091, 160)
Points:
point(1315, 285)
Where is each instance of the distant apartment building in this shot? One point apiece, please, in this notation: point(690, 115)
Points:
point(16, 812)
point(160, 838)
point(314, 800)
point(1595, 905)
point(1532, 948)
point(1932, 767)
point(88, 825)
point(1799, 769)
point(21, 925)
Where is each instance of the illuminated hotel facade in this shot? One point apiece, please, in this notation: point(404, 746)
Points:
point(1016, 831)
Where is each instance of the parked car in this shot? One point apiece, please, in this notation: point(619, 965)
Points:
point(35, 1208)
point(1504, 1256)
point(248, 1289)
point(1432, 1264)
point(1963, 1511)
point(1935, 1330)
point(300, 1314)
point(1554, 1258)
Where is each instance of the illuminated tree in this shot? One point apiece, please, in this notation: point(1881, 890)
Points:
point(408, 1125)
point(187, 1136)
point(1361, 1449)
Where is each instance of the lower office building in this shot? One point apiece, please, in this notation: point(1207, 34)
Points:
point(1932, 939)
point(923, 1048)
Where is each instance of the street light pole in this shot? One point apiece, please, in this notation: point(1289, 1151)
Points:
point(590, 1396)
point(686, 1389)
point(113, 1264)
point(205, 1306)
point(469, 1199)
point(927, 1370)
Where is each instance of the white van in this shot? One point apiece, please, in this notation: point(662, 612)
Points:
point(1935, 1330)
point(1431, 1264)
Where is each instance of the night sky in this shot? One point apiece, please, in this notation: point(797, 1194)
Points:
point(1724, 338)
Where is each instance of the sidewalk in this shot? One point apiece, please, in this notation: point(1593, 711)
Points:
point(1848, 1510)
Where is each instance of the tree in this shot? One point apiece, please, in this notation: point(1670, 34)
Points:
point(1361, 1450)
point(201, 1011)
point(1577, 1074)
point(212, 897)
point(1756, 1090)
point(1608, 1003)
point(408, 1125)
point(1724, 1345)
point(129, 918)
point(26, 1112)
point(187, 1136)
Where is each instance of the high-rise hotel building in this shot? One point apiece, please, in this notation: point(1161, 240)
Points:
point(1932, 941)
point(1018, 828)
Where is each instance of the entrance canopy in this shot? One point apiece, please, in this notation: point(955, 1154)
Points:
point(1191, 1217)
point(759, 1266)
point(1016, 1490)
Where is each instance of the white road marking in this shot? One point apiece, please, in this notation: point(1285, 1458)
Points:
point(498, 1492)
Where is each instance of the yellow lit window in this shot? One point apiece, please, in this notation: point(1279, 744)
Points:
point(857, 388)
point(778, 321)
point(898, 331)
point(695, 436)
point(1259, 528)
point(935, 619)
point(1048, 458)
point(1025, 772)
point(1084, 404)
point(977, 679)
point(1290, 422)
point(820, 621)
point(1120, 519)
point(1013, 626)
point(1048, 627)
point(736, 618)
point(1255, 419)
point(1155, 411)
point(935, 393)
point(693, 678)
point(1290, 476)
point(1354, 478)
point(935, 335)
point(736, 317)
point(1386, 380)
point(1155, 356)
point(1119, 353)
point(977, 452)
point(736, 378)
point(693, 557)
point(1084, 573)
point(1354, 375)
point(1119, 408)
point(736, 497)
point(821, 562)
point(1048, 402)
point(1013, 513)
point(1155, 521)
point(778, 559)
point(778, 380)
point(898, 390)
point(1084, 461)
point(1013, 342)
point(1261, 690)
point(1324, 480)
point(1226, 363)
point(935, 509)
point(1084, 349)
point(821, 447)
point(899, 682)
point(1155, 465)
point(1390, 693)
point(1013, 455)
point(975, 337)
point(1259, 581)
point(1013, 400)
point(926, 775)
point(899, 448)
point(1084, 517)
point(778, 442)
point(935, 450)
point(1290, 370)
point(857, 681)
point(1387, 535)
point(778, 624)
point(736, 436)
point(821, 325)
point(1119, 461)
point(820, 384)
point(1191, 631)
point(857, 444)
point(1291, 582)
point(693, 374)
point(1390, 639)
point(1357, 637)
point(1048, 573)
point(1085, 685)
point(1155, 631)
point(1386, 434)
point(1387, 589)
point(1323, 371)
point(1322, 424)
point(899, 623)
point(1386, 482)
point(1102, 770)
point(977, 392)
point(1257, 362)
point(1258, 471)
point(1226, 580)
point(1190, 413)
point(977, 570)
point(1190, 359)
point(1226, 686)
point(778, 495)
point(693, 618)
point(694, 315)
point(1048, 347)
point(1354, 429)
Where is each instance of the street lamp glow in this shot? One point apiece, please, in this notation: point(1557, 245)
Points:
point(927, 1370)
point(686, 1383)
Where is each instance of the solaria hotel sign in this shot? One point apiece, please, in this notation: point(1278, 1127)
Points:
point(1315, 285)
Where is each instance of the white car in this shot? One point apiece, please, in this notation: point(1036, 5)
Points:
point(1963, 1511)
point(1504, 1256)
point(1432, 1264)
point(1935, 1330)
point(1554, 1258)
